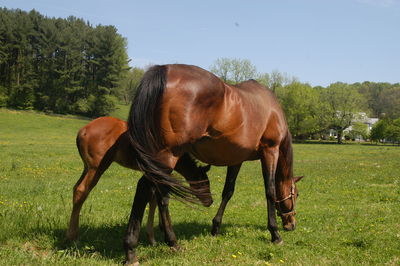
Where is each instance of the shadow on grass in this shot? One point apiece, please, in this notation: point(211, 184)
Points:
point(106, 241)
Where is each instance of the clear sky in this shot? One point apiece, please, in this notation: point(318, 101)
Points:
point(317, 41)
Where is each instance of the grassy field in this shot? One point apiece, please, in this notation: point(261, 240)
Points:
point(348, 211)
point(121, 111)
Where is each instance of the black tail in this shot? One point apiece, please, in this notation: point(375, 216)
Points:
point(144, 133)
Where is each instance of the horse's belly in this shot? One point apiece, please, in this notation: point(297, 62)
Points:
point(222, 152)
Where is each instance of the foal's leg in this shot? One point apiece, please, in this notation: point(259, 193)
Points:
point(144, 193)
point(269, 160)
point(150, 221)
point(77, 200)
point(227, 193)
point(163, 202)
point(82, 188)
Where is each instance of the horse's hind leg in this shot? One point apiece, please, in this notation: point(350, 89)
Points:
point(77, 200)
point(144, 193)
point(227, 193)
point(82, 188)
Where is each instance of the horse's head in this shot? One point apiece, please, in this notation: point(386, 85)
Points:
point(202, 185)
point(286, 206)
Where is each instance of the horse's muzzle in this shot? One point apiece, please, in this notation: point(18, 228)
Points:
point(207, 203)
point(289, 227)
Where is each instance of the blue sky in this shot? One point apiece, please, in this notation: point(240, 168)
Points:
point(317, 41)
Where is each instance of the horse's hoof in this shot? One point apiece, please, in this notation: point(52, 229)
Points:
point(71, 237)
point(152, 240)
point(68, 242)
point(134, 263)
point(215, 231)
point(175, 248)
point(278, 242)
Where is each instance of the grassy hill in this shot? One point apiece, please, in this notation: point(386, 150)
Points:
point(347, 212)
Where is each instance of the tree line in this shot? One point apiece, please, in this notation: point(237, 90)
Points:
point(69, 66)
point(59, 65)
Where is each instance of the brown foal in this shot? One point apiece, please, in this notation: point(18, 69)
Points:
point(105, 140)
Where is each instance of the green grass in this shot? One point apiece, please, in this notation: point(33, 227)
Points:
point(121, 111)
point(348, 209)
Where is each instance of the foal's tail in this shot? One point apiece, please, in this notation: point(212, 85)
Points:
point(145, 133)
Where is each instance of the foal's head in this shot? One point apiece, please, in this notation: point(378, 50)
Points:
point(286, 205)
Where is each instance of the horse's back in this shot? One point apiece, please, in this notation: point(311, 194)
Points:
point(102, 131)
point(240, 125)
point(220, 124)
point(96, 138)
point(191, 96)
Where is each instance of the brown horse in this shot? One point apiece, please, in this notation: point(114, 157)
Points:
point(103, 141)
point(181, 108)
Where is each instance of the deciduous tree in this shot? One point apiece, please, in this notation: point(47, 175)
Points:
point(343, 105)
point(234, 70)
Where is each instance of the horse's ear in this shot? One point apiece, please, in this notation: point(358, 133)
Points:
point(297, 178)
point(206, 168)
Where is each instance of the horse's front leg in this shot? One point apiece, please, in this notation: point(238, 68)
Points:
point(269, 161)
point(142, 197)
point(227, 193)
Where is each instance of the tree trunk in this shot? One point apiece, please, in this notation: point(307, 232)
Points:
point(339, 136)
